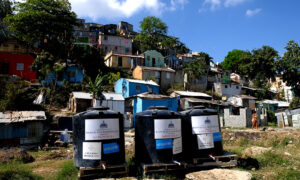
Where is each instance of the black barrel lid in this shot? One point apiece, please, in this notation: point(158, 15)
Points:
point(158, 108)
point(198, 107)
point(99, 108)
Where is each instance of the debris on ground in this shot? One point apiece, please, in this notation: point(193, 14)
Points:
point(255, 151)
point(58, 154)
point(8, 155)
point(220, 174)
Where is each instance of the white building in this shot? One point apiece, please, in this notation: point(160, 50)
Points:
point(115, 44)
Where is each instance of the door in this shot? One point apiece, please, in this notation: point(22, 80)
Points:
point(153, 62)
point(119, 61)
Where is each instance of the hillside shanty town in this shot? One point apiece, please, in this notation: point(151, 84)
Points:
point(150, 89)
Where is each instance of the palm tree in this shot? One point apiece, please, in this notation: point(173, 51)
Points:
point(96, 87)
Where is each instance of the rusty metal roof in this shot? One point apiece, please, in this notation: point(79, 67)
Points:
point(21, 116)
point(215, 102)
point(245, 97)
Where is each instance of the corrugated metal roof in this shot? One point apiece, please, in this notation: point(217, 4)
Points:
point(143, 82)
point(245, 97)
point(192, 94)
point(82, 95)
point(151, 96)
point(280, 103)
point(215, 102)
point(157, 69)
point(21, 116)
point(113, 96)
point(108, 96)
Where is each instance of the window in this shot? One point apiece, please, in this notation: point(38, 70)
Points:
point(126, 50)
point(226, 86)
point(234, 110)
point(124, 89)
point(105, 48)
point(105, 38)
point(157, 74)
point(116, 48)
point(148, 58)
point(237, 87)
point(168, 75)
point(5, 45)
point(16, 47)
point(150, 89)
point(138, 89)
point(20, 67)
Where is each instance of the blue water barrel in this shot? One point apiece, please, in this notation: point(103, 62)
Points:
point(98, 138)
point(201, 133)
point(158, 136)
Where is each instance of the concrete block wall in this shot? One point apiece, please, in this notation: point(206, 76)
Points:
point(242, 120)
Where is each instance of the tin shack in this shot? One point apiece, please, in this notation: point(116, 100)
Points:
point(22, 128)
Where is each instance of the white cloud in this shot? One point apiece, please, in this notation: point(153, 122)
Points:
point(175, 4)
point(253, 12)
point(229, 3)
point(121, 8)
point(215, 4)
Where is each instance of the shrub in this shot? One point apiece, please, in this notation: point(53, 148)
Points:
point(271, 117)
point(295, 102)
point(68, 171)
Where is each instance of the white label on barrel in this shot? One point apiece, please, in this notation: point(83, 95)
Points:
point(205, 141)
point(177, 145)
point(205, 124)
point(99, 129)
point(91, 150)
point(167, 128)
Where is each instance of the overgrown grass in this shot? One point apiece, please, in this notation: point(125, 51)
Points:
point(270, 159)
point(17, 170)
point(68, 171)
point(288, 175)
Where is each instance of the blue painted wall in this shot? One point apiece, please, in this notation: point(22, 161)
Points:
point(70, 70)
point(173, 62)
point(142, 104)
point(128, 89)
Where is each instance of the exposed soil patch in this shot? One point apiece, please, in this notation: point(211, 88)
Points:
point(8, 155)
point(220, 174)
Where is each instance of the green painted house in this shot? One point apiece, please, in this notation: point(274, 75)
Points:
point(154, 58)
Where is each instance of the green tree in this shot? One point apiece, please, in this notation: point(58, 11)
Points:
point(5, 8)
point(233, 60)
point(198, 67)
point(153, 32)
point(259, 66)
point(153, 36)
point(45, 24)
point(289, 66)
point(90, 59)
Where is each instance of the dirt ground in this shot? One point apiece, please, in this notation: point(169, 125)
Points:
point(270, 154)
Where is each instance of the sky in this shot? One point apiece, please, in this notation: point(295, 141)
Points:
point(212, 26)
